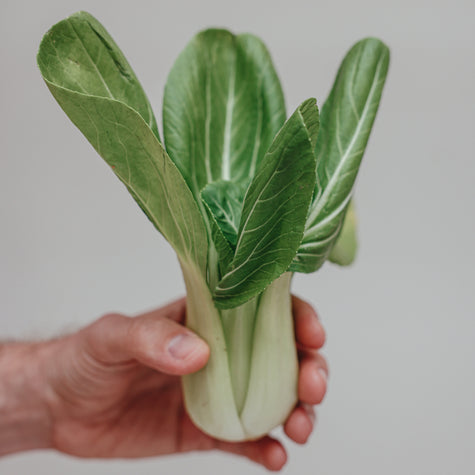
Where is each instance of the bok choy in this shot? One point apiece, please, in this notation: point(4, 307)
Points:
point(244, 195)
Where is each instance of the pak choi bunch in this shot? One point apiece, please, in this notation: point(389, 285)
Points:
point(245, 196)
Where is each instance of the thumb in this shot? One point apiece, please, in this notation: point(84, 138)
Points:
point(155, 341)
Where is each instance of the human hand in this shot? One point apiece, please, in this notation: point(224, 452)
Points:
point(114, 388)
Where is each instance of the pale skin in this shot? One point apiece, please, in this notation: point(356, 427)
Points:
point(113, 389)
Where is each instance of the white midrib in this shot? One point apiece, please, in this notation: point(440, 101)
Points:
point(226, 158)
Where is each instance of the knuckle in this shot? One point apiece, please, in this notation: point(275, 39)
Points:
point(103, 326)
point(136, 332)
point(144, 333)
point(108, 319)
point(97, 334)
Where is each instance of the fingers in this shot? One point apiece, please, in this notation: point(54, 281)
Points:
point(312, 387)
point(312, 384)
point(299, 425)
point(267, 451)
point(313, 375)
point(313, 366)
point(158, 342)
point(308, 329)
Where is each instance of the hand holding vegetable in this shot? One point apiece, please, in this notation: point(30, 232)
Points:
point(245, 195)
point(113, 389)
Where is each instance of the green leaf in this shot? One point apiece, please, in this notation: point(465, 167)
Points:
point(121, 135)
point(274, 211)
point(346, 245)
point(224, 199)
point(345, 124)
point(78, 54)
point(223, 105)
point(224, 253)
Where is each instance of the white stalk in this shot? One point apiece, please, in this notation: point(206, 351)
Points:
point(249, 385)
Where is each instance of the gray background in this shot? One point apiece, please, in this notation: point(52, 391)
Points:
point(400, 322)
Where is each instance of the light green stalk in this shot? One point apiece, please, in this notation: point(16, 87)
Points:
point(249, 385)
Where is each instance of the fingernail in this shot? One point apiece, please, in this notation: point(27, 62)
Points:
point(181, 346)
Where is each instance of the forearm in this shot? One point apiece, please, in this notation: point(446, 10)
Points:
point(25, 420)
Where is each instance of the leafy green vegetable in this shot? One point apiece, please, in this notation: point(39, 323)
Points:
point(244, 196)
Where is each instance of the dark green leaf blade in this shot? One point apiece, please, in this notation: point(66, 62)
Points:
point(223, 105)
point(129, 146)
point(78, 54)
point(224, 252)
point(345, 124)
point(224, 199)
point(343, 252)
point(274, 211)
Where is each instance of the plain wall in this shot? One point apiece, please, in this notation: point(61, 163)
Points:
point(400, 322)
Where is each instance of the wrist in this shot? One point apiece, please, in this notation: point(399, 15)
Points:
point(25, 416)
